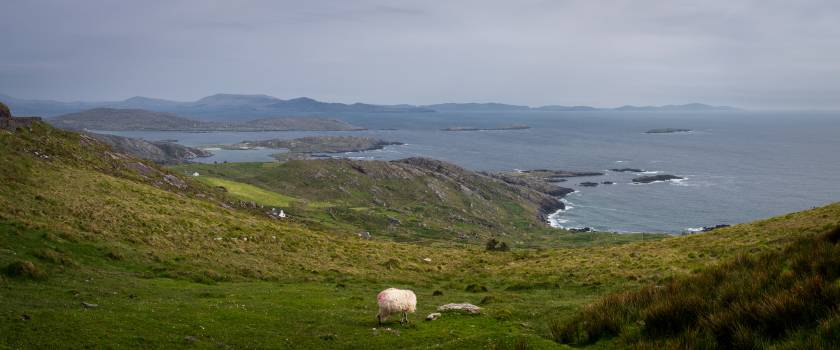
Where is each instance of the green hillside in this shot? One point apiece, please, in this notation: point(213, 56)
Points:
point(99, 249)
point(407, 200)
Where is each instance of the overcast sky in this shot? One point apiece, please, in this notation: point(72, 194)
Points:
point(763, 53)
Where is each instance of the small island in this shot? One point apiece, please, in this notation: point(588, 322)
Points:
point(511, 127)
point(666, 131)
point(316, 144)
point(305, 147)
point(554, 174)
point(627, 170)
point(656, 178)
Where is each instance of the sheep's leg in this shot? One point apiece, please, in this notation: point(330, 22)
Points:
point(404, 319)
point(379, 318)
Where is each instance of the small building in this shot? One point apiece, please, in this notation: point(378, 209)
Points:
point(278, 213)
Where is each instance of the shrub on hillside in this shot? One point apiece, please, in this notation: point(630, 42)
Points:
point(495, 245)
point(24, 269)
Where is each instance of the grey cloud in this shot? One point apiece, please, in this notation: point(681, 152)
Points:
point(761, 54)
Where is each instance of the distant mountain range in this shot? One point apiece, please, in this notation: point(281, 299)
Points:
point(121, 119)
point(237, 108)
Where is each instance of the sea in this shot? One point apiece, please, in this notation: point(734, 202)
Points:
point(737, 166)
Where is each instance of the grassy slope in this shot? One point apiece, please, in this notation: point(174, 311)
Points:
point(101, 232)
point(787, 299)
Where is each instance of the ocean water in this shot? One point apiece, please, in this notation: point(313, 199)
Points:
point(738, 166)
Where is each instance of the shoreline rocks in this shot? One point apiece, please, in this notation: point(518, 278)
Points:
point(712, 228)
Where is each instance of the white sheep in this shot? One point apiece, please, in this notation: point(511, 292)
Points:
point(392, 301)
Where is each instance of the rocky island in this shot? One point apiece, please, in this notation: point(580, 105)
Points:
point(666, 131)
point(627, 170)
point(305, 147)
point(655, 178)
point(463, 128)
point(317, 144)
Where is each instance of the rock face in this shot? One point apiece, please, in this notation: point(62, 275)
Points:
point(157, 151)
point(7, 121)
point(655, 178)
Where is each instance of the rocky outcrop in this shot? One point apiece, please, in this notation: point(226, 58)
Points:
point(463, 307)
point(5, 113)
point(9, 122)
point(588, 184)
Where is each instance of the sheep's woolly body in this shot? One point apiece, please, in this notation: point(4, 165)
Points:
point(392, 301)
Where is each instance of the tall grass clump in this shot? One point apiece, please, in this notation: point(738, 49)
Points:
point(779, 299)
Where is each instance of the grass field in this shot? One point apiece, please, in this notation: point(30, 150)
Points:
point(248, 192)
point(174, 262)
